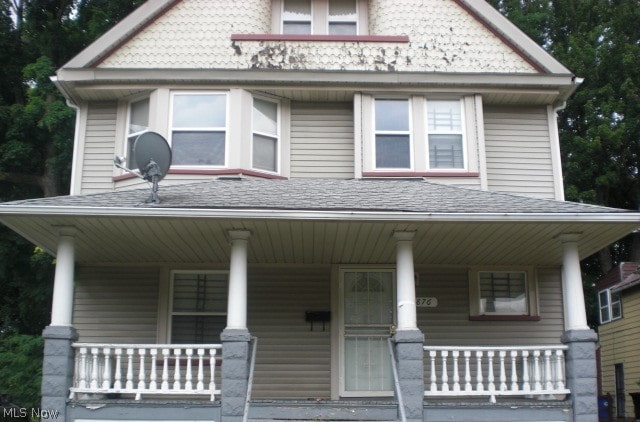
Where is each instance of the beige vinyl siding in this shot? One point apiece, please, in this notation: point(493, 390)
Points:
point(518, 151)
point(293, 361)
point(116, 305)
point(448, 323)
point(99, 148)
point(322, 140)
point(619, 344)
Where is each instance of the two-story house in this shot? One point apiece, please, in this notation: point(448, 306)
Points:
point(363, 220)
point(618, 306)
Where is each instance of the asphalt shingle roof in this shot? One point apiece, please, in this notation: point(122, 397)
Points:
point(389, 195)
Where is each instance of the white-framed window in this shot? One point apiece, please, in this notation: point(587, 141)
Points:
point(445, 134)
point(392, 134)
point(321, 17)
point(198, 306)
point(198, 127)
point(266, 135)
point(137, 123)
point(503, 292)
point(610, 306)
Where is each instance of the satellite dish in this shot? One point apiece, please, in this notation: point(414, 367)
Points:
point(152, 154)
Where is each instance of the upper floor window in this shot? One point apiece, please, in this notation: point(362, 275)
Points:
point(198, 128)
point(446, 136)
point(265, 151)
point(610, 306)
point(392, 134)
point(198, 306)
point(321, 17)
point(137, 123)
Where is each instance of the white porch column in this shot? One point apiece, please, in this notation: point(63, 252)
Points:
point(406, 287)
point(237, 303)
point(62, 307)
point(575, 315)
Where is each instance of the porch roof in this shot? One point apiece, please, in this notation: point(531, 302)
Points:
point(317, 221)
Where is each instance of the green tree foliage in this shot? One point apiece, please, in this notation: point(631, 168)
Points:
point(21, 368)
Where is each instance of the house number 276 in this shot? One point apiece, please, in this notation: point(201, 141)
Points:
point(426, 302)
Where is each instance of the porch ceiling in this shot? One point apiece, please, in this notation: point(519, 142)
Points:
point(319, 222)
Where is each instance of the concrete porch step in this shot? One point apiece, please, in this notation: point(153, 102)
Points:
point(296, 411)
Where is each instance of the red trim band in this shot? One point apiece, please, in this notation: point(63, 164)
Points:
point(419, 174)
point(296, 37)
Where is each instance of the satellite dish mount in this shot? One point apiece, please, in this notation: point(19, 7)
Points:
point(152, 154)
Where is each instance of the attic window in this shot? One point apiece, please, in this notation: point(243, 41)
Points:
point(321, 17)
point(296, 17)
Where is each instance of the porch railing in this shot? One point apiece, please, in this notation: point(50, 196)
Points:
point(537, 371)
point(154, 369)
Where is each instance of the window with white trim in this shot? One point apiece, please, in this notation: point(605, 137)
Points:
point(321, 17)
point(137, 123)
point(198, 128)
point(502, 292)
point(445, 134)
point(392, 134)
point(265, 149)
point(610, 306)
point(198, 312)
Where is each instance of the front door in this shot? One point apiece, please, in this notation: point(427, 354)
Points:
point(367, 317)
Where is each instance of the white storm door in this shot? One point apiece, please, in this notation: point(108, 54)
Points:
point(367, 316)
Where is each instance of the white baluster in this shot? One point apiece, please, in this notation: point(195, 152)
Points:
point(142, 385)
point(165, 370)
point(212, 367)
point(467, 371)
point(479, 378)
point(153, 385)
point(117, 384)
point(537, 384)
point(200, 385)
point(129, 383)
point(82, 381)
point(503, 372)
point(514, 370)
point(188, 385)
point(456, 375)
point(548, 376)
point(106, 374)
point(176, 372)
point(559, 370)
point(94, 368)
point(526, 386)
point(445, 374)
point(490, 377)
point(432, 360)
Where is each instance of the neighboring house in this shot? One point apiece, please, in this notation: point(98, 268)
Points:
point(619, 331)
point(345, 173)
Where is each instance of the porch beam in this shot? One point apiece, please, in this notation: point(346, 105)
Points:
point(575, 314)
point(406, 287)
point(62, 306)
point(237, 302)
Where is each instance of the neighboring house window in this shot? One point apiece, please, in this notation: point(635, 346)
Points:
point(610, 306)
point(265, 135)
point(446, 136)
point(198, 306)
point(320, 17)
point(296, 17)
point(502, 293)
point(392, 134)
point(138, 123)
point(198, 129)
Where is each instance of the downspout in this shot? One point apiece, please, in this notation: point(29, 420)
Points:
point(76, 132)
point(396, 382)
point(252, 367)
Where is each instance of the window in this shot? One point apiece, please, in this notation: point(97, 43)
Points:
point(503, 294)
point(343, 17)
point(321, 17)
point(296, 17)
point(198, 306)
point(138, 123)
point(445, 131)
point(198, 129)
point(392, 134)
point(610, 306)
point(265, 135)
